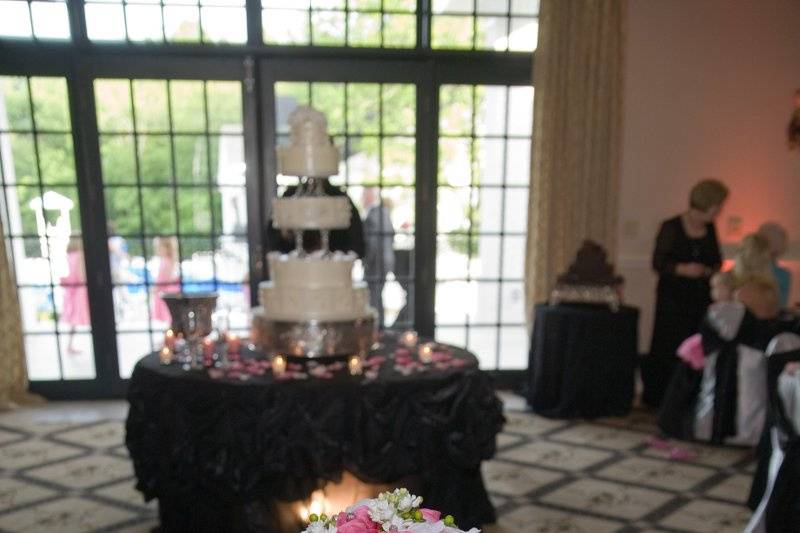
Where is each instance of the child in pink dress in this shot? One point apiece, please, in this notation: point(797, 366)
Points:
point(167, 280)
point(75, 308)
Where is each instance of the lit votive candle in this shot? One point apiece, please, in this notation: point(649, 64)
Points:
point(165, 355)
point(409, 338)
point(355, 365)
point(169, 339)
point(208, 348)
point(234, 343)
point(278, 364)
point(426, 352)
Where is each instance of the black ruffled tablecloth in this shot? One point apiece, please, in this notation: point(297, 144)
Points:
point(215, 451)
point(582, 360)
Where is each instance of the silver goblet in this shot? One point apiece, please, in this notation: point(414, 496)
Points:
point(191, 316)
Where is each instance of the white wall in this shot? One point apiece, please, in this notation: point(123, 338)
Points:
point(708, 92)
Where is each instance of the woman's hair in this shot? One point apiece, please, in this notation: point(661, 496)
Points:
point(776, 236)
point(754, 261)
point(707, 194)
point(75, 244)
point(166, 247)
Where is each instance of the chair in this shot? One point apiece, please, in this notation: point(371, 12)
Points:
point(725, 401)
point(779, 507)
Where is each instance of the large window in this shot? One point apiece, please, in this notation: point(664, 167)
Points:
point(376, 23)
point(172, 155)
point(137, 156)
point(174, 21)
point(42, 225)
point(484, 161)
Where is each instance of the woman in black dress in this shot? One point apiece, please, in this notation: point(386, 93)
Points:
point(686, 255)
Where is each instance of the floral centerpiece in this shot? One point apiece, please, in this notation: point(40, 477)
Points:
point(397, 511)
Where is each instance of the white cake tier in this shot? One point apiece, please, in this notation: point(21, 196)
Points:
point(314, 303)
point(312, 160)
point(311, 212)
point(312, 271)
point(310, 151)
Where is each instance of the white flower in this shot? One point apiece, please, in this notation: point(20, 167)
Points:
point(320, 527)
point(381, 510)
point(396, 523)
point(408, 501)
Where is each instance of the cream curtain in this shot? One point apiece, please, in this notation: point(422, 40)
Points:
point(578, 71)
point(13, 375)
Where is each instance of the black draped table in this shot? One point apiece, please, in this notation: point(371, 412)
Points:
point(216, 450)
point(582, 360)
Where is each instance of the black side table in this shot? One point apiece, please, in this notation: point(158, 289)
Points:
point(582, 360)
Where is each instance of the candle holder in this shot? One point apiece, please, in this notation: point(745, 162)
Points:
point(191, 318)
point(278, 364)
point(165, 355)
point(409, 338)
point(425, 352)
point(355, 365)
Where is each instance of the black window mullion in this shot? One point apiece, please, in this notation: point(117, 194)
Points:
point(427, 156)
point(255, 30)
point(93, 222)
point(77, 21)
point(211, 182)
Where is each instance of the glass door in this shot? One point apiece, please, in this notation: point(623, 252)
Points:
point(173, 178)
point(483, 180)
point(41, 214)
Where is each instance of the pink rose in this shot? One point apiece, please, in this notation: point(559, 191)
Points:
point(357, 521)
point(430, 515)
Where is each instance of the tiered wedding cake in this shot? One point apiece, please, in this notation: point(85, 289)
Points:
point(311, 306)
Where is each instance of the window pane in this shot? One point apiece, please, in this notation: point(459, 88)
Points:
point(118, 158)
point(56, 158)
point(399, 31)
point(50, 104)
point(362, 23)
point(224, 107)
point(514, 348)
point(187, 98)
point(525, 7)
point(18, 106)
point(122, 209)
point(283, 26)
point(364, 29)
point(155, 158)
point(14, 19)
point(150, 105)
point(144, 22)
point(483, 343)
point(452, 31)
point(493, 7)
point(182, 23)
point(105, 22)
point(50, 20)
point(224, 25)
point(42, 358)
point(482, 219)
point(328, 28)
point(113, 102)
point(524, 34)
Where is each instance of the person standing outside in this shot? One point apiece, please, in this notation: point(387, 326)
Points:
point(379, 246)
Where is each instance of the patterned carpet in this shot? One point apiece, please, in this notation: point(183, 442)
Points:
point(63, 468)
